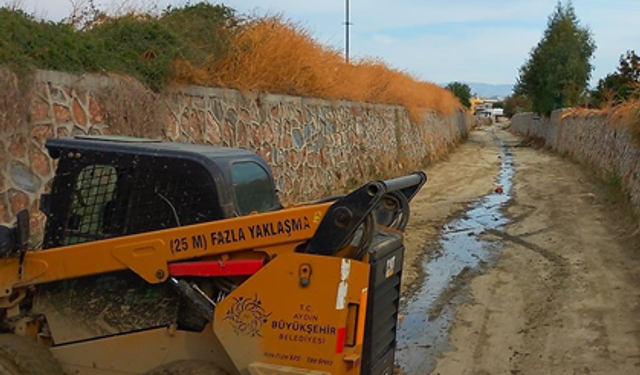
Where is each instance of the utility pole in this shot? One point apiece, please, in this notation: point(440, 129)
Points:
point(346, 32)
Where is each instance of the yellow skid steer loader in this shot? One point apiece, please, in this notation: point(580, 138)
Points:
point(168, 258)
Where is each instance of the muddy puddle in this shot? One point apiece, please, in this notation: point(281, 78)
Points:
point(463, 253)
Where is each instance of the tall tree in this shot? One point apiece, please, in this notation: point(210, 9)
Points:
point(559, 67)
point(462, 91)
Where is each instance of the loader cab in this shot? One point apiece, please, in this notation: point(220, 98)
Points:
point(108, 187)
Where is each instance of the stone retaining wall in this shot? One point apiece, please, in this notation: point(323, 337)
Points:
point(607, 147)
point(315, 147)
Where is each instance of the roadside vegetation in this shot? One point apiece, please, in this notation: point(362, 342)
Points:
point(558, 69)
point(618, 94)
point(462, 91)
point(211, 45)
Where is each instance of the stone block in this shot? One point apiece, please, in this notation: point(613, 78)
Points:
point(213, 137)
point(3, 155)
point(79, 115)
point(40, 162)
point(217, 110)
point(194, 127)
point(245, 115)
point(173, 127)
point(241, 134)
point(37, 219)
point(5, 212)
point(18, 201)
point(96, 114)
point(62, 132)
point(40, 111)
point(228, 139)
point(59, 93)
point(231, 116)
point(23, 178)
point(18, 146)
point(40, 133)
point(61, 114)
point(78, 131)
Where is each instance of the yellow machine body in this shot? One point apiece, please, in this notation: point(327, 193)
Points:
point(308, 289)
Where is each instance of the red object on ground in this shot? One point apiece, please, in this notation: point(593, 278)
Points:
point(210, 269)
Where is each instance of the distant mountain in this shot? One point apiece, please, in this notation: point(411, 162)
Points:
point(489, 91)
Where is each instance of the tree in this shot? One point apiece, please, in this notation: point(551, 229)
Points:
point(559, 67)
point(516, 104)
point(621, 85)
point(462, 91)
point(630, 66)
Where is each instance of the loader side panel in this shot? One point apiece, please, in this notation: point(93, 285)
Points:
point(300, 311)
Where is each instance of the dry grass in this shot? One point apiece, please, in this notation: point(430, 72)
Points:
point(625, 115)
point(266, 54)
point(628, 115)
point(273, 55)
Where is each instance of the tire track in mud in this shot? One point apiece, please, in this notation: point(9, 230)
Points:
point(560, 262)
point(555, 283)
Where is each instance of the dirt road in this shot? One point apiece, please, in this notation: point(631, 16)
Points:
point(464, 176)
point(561, 292)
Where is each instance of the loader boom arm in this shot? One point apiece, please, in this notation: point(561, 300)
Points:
point(324, 227)
point(149, 254)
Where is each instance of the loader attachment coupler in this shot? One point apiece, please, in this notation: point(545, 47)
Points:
point(349, 212)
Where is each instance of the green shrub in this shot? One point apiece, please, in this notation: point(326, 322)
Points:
point(138, 46)
point(26, 43)
point(203, 30)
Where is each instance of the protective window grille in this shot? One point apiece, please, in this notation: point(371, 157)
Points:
point(94, 187)
point(107, 202)
point(160, 200)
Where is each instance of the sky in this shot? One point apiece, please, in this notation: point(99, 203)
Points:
point(436, 40)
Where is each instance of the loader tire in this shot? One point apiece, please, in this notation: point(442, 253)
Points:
point(22, 356)
point(187, 367)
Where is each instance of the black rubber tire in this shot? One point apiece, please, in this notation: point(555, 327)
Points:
point(24, 356)
point(187, 367)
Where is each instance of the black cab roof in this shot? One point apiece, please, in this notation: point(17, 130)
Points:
point(142, 146)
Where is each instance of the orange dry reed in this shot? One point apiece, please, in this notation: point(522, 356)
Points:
point(628, 115)
point(625, 115)
point(272, 55)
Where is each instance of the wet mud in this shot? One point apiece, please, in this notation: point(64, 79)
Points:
point(463, 251)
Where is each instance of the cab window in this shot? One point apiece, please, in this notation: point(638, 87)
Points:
point(93, 189)
point(252, 187)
